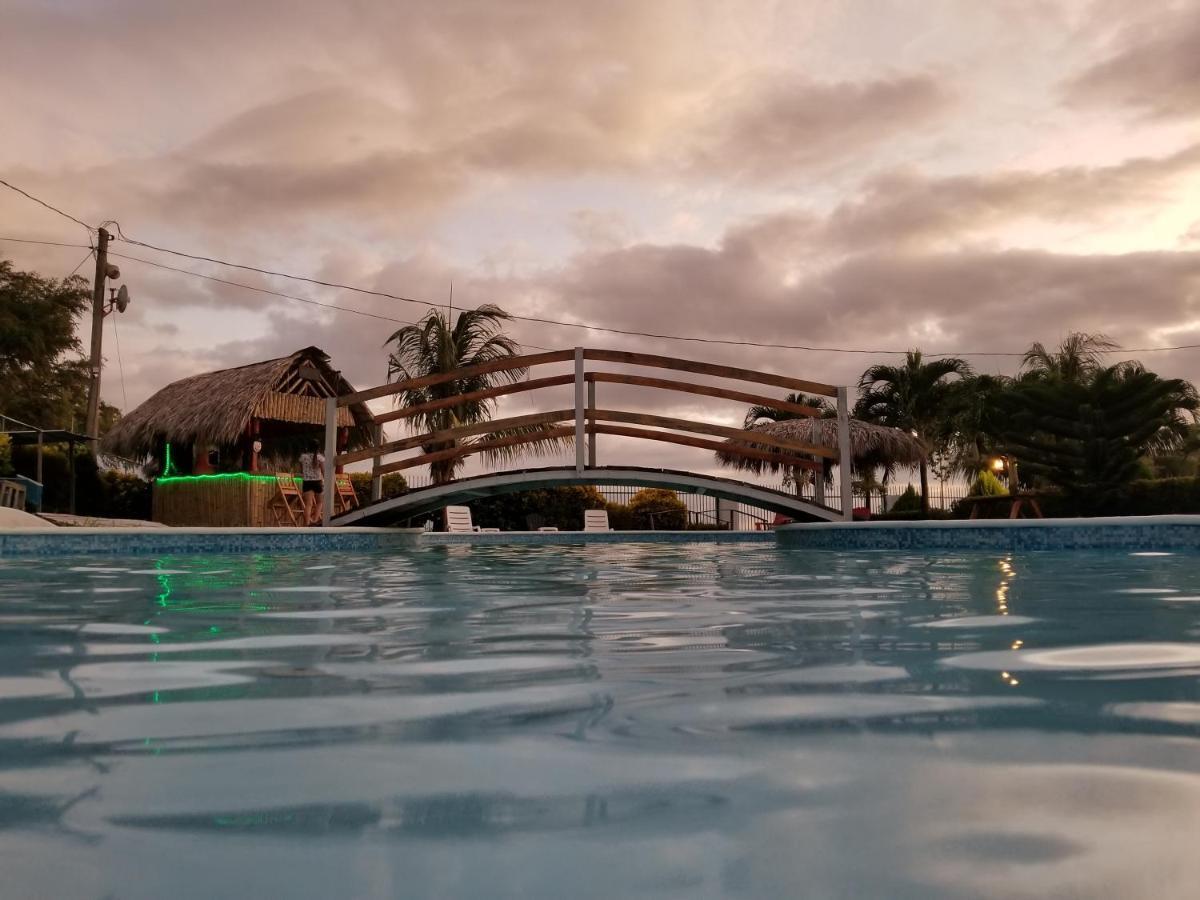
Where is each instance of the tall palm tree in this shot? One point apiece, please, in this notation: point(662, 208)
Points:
point(433, 346)
point(914, 396)
point(1076, 360)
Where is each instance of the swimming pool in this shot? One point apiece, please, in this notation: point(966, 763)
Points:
point(625, 720)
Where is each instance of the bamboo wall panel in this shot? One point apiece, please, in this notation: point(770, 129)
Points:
point(297, 408)
point(215, 503)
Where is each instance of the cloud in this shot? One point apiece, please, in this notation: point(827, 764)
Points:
point(909, 209)
point(1152, 66)
point(774, 125)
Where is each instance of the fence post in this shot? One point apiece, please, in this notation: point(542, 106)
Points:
point(591, 438)
point(580, 448)
point(331, 410)
point(843, 410)
point(376, 478)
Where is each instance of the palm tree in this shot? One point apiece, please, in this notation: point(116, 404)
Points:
point(914, 397)
point(976, 420)
point(432, 347)
point(1076, 361)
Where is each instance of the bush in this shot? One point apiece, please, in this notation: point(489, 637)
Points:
point(560, 507)
point(987, 485)
point(6, 468)
point(908, 502)
point(119, 496)
point(393, 486)
point(647, 510)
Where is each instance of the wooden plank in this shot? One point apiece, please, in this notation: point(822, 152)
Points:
point(706, 390)
point(498, 365)
point(450, 434)
point(479, 447)
point(703, 368)
point(734, 449)
point(737, 434)
point(532, 385)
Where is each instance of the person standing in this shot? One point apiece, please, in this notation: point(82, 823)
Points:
point(312, 474)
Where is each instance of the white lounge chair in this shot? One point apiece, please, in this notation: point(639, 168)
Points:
point(595, 520)
point(458, 520)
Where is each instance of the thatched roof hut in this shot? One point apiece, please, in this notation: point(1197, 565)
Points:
point(232, 407)
point(871, 446)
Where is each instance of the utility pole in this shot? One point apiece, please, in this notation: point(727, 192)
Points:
point(93, 410)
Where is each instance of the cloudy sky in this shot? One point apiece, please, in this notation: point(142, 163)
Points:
point(955, 175)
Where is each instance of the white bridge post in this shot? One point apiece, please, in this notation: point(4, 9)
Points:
point(580, 443)
point(844, 455)
point(591, 438)
point(376, 478)
point(331, 412)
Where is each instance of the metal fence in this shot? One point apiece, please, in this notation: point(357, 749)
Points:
point(704, 509)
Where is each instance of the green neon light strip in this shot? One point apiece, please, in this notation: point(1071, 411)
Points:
point(242, 475)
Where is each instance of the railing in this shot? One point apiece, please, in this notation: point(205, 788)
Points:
point(584, 420)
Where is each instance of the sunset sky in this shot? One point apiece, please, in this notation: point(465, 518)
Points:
point(955, 175)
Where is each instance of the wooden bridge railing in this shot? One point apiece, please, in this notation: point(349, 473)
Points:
point(587, 421)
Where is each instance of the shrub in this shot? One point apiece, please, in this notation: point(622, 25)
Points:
point(649, 509)
point(987, 485)
point(908, 502)
point(6, 468)
point(393, 486)
point(119, 496)
point(561, 507)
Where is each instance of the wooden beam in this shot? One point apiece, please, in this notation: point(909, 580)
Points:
point(703, 368)
point(687, 387)
point(499, 365)
point(532, 385)
point(737, 434)
point(733, 449)
point(478, 447)
point(450, 434)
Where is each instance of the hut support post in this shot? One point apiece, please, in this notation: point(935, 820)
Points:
point(844, 455)
point(580, 448)
point(376, 478)
point(331, 410)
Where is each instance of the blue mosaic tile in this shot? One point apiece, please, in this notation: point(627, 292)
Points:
point(73, 541)
point(599, 537)
point(1126, 534)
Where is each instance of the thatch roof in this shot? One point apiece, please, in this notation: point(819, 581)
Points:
point(871, 446)
point(215, 408)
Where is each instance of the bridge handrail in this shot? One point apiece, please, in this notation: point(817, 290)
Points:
point(602, 415)
point(466, 450)
point(650, 360)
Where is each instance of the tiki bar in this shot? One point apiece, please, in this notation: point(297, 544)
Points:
point(216, 441)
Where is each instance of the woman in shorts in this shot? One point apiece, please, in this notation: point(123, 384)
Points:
point(312, 474)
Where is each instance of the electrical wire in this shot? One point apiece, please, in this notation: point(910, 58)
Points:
point(763, 345)
point(90, 254)
point(120, 363)
point(54, 209)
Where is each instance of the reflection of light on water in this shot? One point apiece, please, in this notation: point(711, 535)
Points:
point(1009, 573)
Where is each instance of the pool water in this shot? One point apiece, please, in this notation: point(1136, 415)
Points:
point(601, 721)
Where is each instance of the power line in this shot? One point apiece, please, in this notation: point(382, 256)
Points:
point(52, 208)
point(90, 254)
point(120, 363)
point(13, 240)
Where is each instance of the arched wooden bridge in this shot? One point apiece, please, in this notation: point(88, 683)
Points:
point(583, 422)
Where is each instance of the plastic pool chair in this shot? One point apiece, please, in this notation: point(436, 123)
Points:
point(288, 501)
point(595, 520)
point(458, 520)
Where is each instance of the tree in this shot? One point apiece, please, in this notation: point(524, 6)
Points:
point(975, 420)
point(1088, 436)
point(44, 374)
point(432, 347)
point(1077, 360)
point(915, 397)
